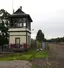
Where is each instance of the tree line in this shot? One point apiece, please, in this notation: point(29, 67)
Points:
point(59, 39)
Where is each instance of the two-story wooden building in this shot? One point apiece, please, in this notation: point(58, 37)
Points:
point(20, 28)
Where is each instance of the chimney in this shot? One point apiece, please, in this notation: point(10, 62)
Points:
point(21, 7)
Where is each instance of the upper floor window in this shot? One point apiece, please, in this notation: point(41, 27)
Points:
point(24, 24)
point(20, 24)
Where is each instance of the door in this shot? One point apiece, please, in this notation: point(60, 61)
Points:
point(17, 42)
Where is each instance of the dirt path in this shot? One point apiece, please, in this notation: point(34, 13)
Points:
point(56, 56)
point(15, 64)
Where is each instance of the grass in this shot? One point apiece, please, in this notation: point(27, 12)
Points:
point(24, 56)
point(41, 54)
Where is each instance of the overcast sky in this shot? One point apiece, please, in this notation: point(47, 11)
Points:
point(47, 15)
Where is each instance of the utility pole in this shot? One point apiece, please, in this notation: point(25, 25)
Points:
point(12, 6)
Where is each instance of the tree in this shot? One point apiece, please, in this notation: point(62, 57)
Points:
point(4, 26)
point(40, 36)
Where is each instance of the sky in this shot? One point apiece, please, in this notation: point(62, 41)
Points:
point(47, 15)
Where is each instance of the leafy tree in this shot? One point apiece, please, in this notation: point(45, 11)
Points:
point(4, 26)
point(40, 36)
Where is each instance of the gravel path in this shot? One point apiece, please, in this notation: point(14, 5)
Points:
point(15, 64)
point(56, 56)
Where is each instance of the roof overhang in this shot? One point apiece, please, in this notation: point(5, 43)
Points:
point(21, 16)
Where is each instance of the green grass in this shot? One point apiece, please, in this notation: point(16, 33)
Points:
point(24, 56)
point(41, 54)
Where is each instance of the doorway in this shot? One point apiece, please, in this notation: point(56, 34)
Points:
point(17, 42)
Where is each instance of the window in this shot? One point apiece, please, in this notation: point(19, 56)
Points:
point(24, 24)
point(20, 24)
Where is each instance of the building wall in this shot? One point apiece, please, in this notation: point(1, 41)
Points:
point(18, 29)
point(22, 36)
point(22, 39)
point(28, 38)
point(17, 33)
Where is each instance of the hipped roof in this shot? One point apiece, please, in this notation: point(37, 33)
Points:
point(20, 14)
